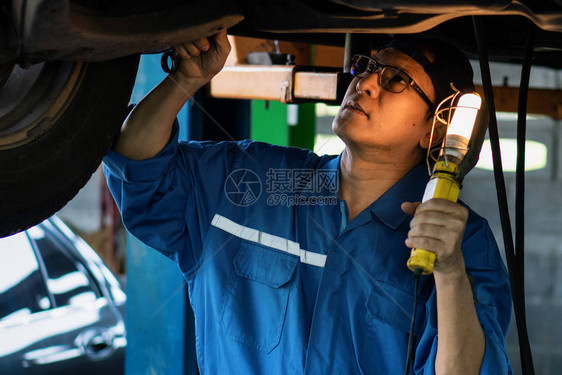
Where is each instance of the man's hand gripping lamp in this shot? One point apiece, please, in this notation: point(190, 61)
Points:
point(447, 176)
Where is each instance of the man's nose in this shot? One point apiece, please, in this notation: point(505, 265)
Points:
point(369, 85)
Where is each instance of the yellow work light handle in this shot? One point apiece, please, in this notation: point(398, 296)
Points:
point(441, 185)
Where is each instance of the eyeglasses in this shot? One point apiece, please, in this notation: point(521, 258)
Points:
point(390, 78)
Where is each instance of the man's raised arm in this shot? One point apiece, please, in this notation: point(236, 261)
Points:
point(147, 129)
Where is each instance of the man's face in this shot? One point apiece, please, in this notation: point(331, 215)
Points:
point(374, 119)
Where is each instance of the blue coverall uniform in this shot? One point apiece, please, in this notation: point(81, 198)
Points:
point(280, 285)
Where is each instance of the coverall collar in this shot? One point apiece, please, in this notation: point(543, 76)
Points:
point(409, 188)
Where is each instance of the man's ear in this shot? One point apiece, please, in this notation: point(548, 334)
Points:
point(438, 134)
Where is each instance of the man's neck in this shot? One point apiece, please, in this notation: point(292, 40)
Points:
point(364, 179)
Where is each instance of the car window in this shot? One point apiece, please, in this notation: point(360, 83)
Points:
point(96, 267)
point(22, 289)
point(67, 279)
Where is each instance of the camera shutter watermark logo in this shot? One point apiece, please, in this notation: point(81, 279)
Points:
point(291, 187)
point(242, 187)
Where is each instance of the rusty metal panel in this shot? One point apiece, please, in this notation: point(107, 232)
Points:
point(319, 86)
point(539, 101)
point(279, 82)
point(328, 56)
point(253, 82)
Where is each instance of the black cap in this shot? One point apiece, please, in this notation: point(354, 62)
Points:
point(449, 65)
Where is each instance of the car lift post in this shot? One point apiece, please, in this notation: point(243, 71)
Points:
point(159, 321)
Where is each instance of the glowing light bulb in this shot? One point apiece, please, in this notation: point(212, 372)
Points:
point(465, 116)
point(461, 126)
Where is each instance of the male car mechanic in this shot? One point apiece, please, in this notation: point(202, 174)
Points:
point(310, 288)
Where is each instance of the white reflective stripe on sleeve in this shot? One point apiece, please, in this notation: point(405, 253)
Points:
point(269, 240)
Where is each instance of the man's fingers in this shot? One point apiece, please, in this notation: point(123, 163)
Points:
point(221, 42)
point(426, 243)
point(444, 206)
point(453, 221)
point(438, 225)
point(432, 238)
point(441, 212)
point(181, 52)
point(426, 230)
point(410, 207)
point(195, 47)
point(192, 49)
point(202, 44)
point(203, 57)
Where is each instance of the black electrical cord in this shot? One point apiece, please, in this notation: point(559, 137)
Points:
point(520, 167)
point(496, 156)
point(525, 349)
point(515, 280)
point(410, 355)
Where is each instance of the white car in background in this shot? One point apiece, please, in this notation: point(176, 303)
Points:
point(61, 309)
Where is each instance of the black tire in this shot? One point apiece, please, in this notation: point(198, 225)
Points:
point(65, 124)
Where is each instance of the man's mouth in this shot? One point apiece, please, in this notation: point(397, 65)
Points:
point(355, 107)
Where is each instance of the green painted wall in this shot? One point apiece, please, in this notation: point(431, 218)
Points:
point(303, 134)
point(269, 124)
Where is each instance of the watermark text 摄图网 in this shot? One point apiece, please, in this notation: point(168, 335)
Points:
point(302, 180)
